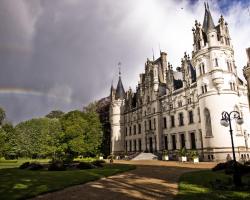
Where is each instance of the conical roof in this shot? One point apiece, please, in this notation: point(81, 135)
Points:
point(208, 20)
point(120, 92)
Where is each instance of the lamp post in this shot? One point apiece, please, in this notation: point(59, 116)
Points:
point(225, 121)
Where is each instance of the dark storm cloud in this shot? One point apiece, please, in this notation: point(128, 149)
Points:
point(70, 48)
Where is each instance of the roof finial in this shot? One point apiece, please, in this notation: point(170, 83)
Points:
point(205, 5)
point(119, 67)
point(153, 54)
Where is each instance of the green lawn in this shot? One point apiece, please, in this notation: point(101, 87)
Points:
point(197, 186)
point(21, 184)
point(17, 163)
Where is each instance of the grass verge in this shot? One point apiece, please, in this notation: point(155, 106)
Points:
point(21, 184)
point(197, 186)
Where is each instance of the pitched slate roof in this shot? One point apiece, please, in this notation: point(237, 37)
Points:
point(120, 92)
point(208, 20)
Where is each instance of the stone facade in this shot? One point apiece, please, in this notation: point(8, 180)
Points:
point(176, 109)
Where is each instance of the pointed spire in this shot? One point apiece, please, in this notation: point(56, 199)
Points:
point(208, 20)
point(120, 92)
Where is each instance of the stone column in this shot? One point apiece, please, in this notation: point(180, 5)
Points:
point(246, 72)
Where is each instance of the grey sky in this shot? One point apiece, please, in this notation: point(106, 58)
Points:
point(70, 48)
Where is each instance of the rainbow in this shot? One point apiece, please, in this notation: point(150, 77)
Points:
point(25, 91)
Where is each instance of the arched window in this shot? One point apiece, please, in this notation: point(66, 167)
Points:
point(208, 126)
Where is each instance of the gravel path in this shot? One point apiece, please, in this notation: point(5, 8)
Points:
point(150, 180)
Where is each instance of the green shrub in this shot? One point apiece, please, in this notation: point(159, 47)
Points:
point(98, 163)
point(85, 165)
point(57, 165)
point(24, 165)
point(35, 166)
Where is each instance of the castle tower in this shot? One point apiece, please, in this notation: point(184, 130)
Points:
point(116, 118)
point(217, 85)
point(246, 72)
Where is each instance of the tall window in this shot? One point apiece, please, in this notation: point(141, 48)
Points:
point(191, 117)
point(150, 124)
point(172, 121)
point(193, 141)
point(216, 62)
point(126, 131)
point(139, 128)
point(165, 122)
point(182, 137)
point(145, 125)
point(154, 124)
point(203, 68)
point(208, 126)
point(139, 144)
point(173, 142)
point(134, 129)
point(130, 145)
point(166, 142)
point(135, 145)
point(130, 130)
point(181, 121)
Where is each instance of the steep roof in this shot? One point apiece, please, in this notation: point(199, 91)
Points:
point(208, 20)
point(120, 92)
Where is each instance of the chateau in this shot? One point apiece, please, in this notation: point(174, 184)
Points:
point(170, 110)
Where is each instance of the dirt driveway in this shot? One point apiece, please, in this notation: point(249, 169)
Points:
point(150, 180)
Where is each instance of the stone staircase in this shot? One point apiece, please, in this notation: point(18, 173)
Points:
point(145, 156)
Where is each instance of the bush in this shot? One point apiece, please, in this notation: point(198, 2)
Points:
point(57, 165)
point(98, 163)
point(35, 166)
point(85, 165)
point(24, 165)
point(229, 167)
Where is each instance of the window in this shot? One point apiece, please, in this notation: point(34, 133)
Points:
point(216, 62)
point(134, 129)
point(193, 142)
point(205, 88)
point(135, 145)
point(181, 121)
point(126, 145)
point(154, 110)
point(191, 117)
point(166, 142)
point(203, 68)
point(179, 103)
point(172, 121)
point(154, 123)
point(139, 144)
point(164, 122)
point(126, 131)
point(208, 126)
point(171, 106)
point(189, 101)
point(173, 142)
point(145, 125)
point(139, 128)
point(182, 137)
point(130, 130)
point(150, 124)
point(199, 114)
point(130, 145)
point(229, 66)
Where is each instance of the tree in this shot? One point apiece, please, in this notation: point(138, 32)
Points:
point(82, 133)
point(10, 146)
point(2, 115)
point(39, 137)
point(2, 142)
point(55, 114)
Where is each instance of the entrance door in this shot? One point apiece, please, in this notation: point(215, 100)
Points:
point(151, 145)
